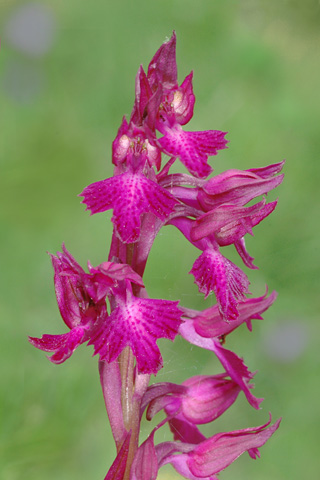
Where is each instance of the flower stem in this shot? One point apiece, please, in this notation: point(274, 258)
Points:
point(140, 387)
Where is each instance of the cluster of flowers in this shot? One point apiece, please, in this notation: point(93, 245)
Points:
point(211, 214)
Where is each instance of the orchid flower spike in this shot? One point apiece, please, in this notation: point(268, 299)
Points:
point(108, 307)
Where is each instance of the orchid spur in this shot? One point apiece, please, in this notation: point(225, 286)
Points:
point(108, 306)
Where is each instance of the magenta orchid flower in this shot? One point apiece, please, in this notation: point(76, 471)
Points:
point(200, 399)
point(130, 195)
point(78, 310)
point(108, 306)
point(216, 453)
point(137, 323)
point(238, 187)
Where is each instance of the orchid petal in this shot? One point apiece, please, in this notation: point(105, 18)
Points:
point(238, 371)
point(63, 345)
point(138, 324)
point(183, 101)
point(208, 397)
point(210, 324)
point(118, 468)
point(223, 220)
point(163, 66)
point(213, 272)
point(193, 148)
point(237, 187)
point(130, 195)
point(219, 451)
point(185, 431)
point(145, 462)
point(233, 365)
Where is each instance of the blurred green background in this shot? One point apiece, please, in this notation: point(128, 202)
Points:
point(67, 77)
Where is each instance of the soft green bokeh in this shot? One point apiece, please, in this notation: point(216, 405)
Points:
point(256, 75)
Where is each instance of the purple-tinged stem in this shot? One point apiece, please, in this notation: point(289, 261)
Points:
point(150, 227)
point(141, 385)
